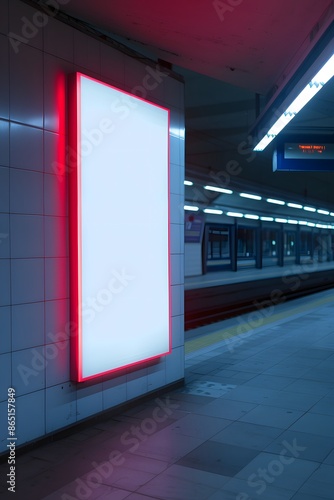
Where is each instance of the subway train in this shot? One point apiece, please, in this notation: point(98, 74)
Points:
point(250, 250)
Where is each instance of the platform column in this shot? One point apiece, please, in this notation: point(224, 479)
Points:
point(280, 247)
point(234, 246)
point(298, 246)
point(258, 247)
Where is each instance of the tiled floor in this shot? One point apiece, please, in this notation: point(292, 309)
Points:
point(255, 420)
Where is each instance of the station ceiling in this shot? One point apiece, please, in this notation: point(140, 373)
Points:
point(233, 55)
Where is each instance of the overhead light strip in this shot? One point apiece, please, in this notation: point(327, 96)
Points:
point(250, 196)
point(267, 219)
point(191, 208)
point(218, 189)
point(309, 91)
point(310, 209)
point(212, 211)
point(276, 202)
point(294, 205)
point(251, 216)
point(234, 214)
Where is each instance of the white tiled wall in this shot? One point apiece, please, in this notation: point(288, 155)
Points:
point(193, 264)
point(34, 286)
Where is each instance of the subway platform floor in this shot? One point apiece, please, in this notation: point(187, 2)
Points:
point(255, 420)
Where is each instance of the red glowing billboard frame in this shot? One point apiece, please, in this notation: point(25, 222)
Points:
point(77, 168)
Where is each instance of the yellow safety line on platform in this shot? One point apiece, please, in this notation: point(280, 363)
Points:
point(244, 327)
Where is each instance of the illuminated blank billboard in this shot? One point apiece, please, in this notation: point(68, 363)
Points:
point(119, 229)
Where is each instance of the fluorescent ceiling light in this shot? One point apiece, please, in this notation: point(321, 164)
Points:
point(291, 221)
point(303, 222)
point(311, 224)
point(309, 209)
point(234, 214)
point(191, 208)
point(276, 202)
point(218, 189)
point(323, 212)
point(188, 183)
point(321, 226)
point(212, 211)
point(268, 219)
point(311, 89)
point(251, 196)
point(332, 214)
point(295, 205)
point(283, 221)
point(250, 216)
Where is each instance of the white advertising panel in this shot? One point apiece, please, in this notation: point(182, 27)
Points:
point(119, 223)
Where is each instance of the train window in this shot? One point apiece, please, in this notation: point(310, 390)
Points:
point(289, 247)
point(218, 251)
point(269, 247)
point(246, 247)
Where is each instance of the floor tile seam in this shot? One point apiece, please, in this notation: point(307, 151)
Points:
point(325, 458)
point(297, 459)
point(307, 479)
point(272, 439)
point(296, 364)
point(272, 455)
point(320, 414)
point(318, 381)
point(119, 467)
point(196, 482)
point(232, 420)
point(284, 429)
point(280, 406)
point(260, 388)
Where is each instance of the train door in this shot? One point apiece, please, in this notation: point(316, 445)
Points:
point(217, 248)
point(322, 249)
point(246, 247)
point(270, 247)
point(306, 247)
point(289, 247)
